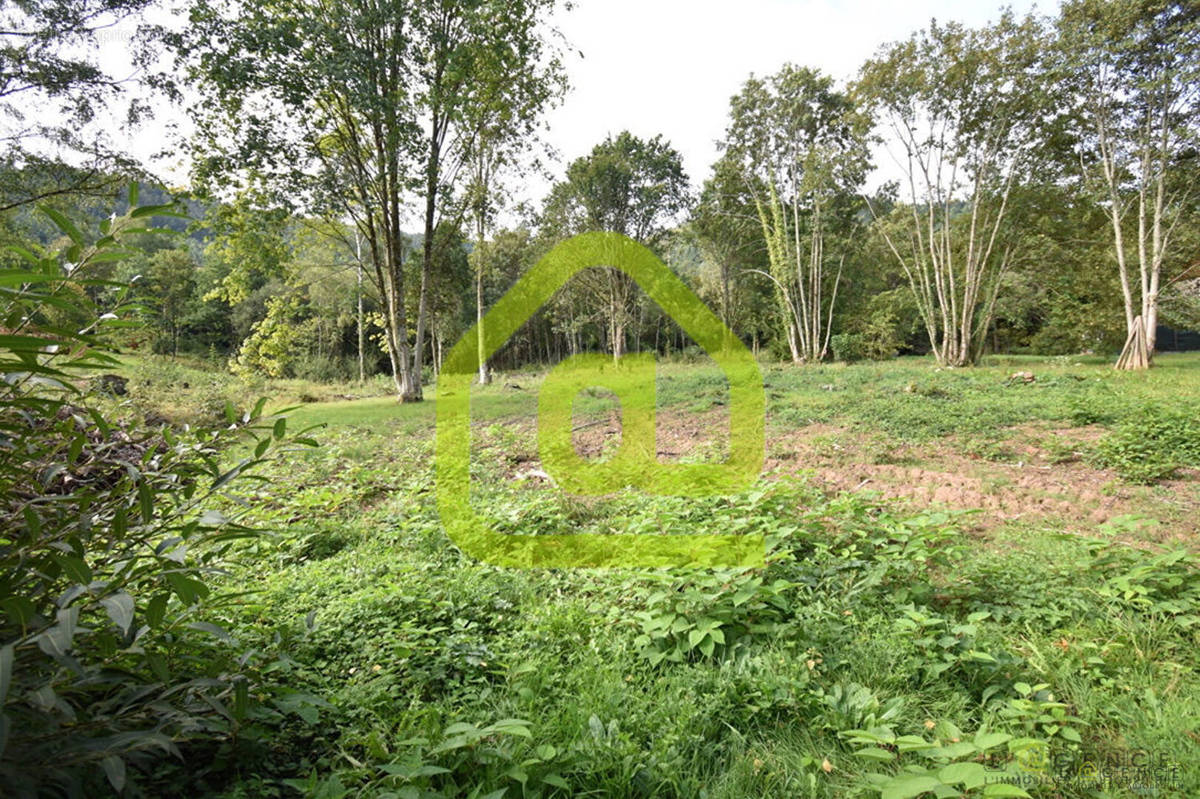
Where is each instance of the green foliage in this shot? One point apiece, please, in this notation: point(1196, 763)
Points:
point(710, 615)
point(1167, 584)
point(110, 653)
point(1152, 444)
point(249, 246)
point(879, 341)
point(868, 615)
point(273, 343)
point(1028, 728)
point(848, 347)
point(949, 650)
point(951, 764)
point(465, 759)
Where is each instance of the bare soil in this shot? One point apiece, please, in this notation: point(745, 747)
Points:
point(1035, 473)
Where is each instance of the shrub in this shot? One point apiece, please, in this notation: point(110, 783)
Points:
point(708, 615)
point(110, 538)
point(848, 347)
point(1152, 445)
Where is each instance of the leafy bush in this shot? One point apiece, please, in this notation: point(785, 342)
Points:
point(952, 764)
point(271, 347)
point(112, 536)
point(848, 347)
point(876, 336)
point(708, 615)
point(1151, 445)
point(1167, 584)
point(467, 757)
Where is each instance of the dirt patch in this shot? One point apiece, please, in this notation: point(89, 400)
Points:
point(680, 435)
point(1034, 474)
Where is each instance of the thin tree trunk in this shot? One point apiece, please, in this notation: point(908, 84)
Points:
point(362, 373)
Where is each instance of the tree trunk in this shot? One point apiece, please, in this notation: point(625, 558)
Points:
point(1138, 351)
point(362, 372)
point(485, 376)
point(432, 174)
point(793, 345)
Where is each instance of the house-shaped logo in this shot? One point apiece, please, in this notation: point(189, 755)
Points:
point(634, 464)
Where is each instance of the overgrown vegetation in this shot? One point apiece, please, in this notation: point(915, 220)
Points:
point(197, 600)
point(880, 651)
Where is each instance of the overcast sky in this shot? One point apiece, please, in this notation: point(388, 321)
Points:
point(670, 66)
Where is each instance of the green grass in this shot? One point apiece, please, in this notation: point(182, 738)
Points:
point(417, 672)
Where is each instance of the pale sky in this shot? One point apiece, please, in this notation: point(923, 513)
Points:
point(670, 66)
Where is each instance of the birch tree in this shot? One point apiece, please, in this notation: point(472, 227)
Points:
point(959, 112)
point(504, 126)
point(800, 143)
point(1134, 69)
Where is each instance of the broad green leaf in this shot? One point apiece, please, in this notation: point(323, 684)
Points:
point(18, 609)
point(989, 740)
point(189, 590)
point(913, 743)
point(120, 609)
point(156, 609)
point(157, 210)
point(209, 627)
point(906, 787)
point(75, 568)
point(970, 775)
point(64, 224)
point(114, 769)
point(557, 781)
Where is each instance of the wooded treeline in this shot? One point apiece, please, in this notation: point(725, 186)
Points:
point(358, 169)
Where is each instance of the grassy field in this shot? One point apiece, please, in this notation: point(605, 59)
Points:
point(978, 583)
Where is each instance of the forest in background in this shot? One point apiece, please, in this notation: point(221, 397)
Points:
point(1048, 198)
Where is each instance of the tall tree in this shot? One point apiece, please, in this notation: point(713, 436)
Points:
point(962, 106)
point(503, 125)
point(800, 144)
point(487, 69)
point(628, 185)
point(1134, 68)
point(726, 227)
point(171, 279)
point(359, 108)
